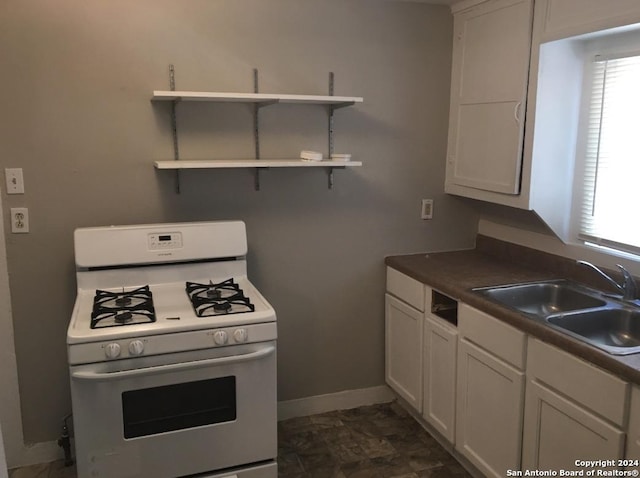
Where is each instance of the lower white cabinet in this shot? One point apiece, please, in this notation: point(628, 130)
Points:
point(403, 350)
point(468, 383)
point(633, 439)
point(489, 410)
point(490, 392)
point(420, 352)
point(558, 432)
point(439, 383)
point(573, 410)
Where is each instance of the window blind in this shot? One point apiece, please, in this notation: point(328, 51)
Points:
point(609, 214)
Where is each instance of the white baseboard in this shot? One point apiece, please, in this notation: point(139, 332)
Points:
point(334, 401)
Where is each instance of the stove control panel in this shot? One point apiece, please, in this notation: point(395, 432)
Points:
point(164, 241)
point(230, 336)
point(114, 350)
point(132, 347)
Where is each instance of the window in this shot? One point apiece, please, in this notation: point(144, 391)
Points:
point(611, 185)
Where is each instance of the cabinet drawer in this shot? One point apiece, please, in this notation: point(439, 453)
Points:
point(593, 388)
point(405, 288)
point(493, 335)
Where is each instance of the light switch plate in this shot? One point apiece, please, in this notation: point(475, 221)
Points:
point(15, 180)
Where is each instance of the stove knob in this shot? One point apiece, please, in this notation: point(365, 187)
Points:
point(112, 350)
point(220, 337)
point(136, 347)
point(240, 335)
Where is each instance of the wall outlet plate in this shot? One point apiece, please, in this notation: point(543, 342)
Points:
point(19, 220)
point(427, 209)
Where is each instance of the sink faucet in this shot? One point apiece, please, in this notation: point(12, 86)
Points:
point(628, 286)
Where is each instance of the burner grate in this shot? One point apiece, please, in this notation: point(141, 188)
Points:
point(114, 309)
point(218, 299)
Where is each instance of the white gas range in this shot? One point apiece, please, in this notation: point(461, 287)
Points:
point(172, 354)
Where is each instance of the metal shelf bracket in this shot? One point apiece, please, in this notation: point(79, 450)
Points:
point(256, 130)
point(174, 126)
point(331, 110)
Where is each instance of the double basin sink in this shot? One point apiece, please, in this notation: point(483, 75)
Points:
point(580, 312)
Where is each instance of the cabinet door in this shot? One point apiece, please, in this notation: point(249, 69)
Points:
point(403, 344)
point(565, 18)
point(633, 439)
point(439, 394)
point(491, 53)
point(557, 432)
point(489, 411)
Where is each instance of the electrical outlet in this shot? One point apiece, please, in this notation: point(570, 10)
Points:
point(14, 180)
point(19, 220)
point(427, 209)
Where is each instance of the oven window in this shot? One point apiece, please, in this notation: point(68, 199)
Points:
point(179, 406)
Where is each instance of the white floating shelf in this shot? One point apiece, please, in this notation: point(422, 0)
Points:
point(168, 95)
point(253, 163)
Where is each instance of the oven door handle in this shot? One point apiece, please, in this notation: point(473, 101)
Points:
point(176, 367)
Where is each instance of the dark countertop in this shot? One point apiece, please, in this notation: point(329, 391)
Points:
point(456, 273)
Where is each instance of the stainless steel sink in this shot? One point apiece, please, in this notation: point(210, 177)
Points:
point(585, 314)
point(615, 330)
point(541, 299)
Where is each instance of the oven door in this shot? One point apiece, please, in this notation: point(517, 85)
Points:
point(176, 414)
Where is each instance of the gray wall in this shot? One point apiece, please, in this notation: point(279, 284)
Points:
point(76, 80)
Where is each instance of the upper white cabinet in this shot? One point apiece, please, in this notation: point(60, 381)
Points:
point(516, 99)
point(491, 50)
point(566, 18)
point(404, 317)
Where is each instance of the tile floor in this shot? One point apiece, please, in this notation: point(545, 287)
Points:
point(47, 470)
point(377, 441)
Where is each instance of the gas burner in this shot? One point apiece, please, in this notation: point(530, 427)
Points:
point(220, 290)
point(112, 309)
point(218, 299)
point(221, 307)
point(123, 317)
point(235, 304)
point(123, 300)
